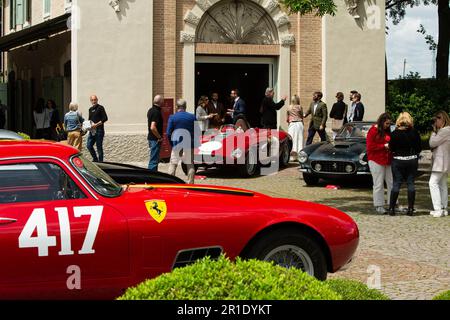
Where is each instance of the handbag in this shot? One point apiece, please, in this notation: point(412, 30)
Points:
point(61, 134)
point(336, 125)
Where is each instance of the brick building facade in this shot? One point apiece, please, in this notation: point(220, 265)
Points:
point(185, 48)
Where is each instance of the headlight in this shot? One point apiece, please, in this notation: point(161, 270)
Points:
point(318, 167)
point(237, 153)
point(302, 157)
point(349, 168)
point(363, 159)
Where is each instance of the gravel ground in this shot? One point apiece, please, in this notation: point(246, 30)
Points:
point(410, 256)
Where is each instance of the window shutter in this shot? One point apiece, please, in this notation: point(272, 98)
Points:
point(46, 7)
point(12, 14)
point(20, 11)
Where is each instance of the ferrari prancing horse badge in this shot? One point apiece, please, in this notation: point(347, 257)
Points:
point(157, 209)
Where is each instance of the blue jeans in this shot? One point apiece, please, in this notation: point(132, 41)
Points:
point(154, 155)
point(98, 140)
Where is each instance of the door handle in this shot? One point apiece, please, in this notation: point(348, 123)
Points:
point(4, 221)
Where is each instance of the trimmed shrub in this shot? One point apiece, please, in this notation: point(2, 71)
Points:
point(354, 290)
point(224, 280)
point(443, 296)
point(24, 135)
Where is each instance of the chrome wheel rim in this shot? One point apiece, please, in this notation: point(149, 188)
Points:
point(289, 256)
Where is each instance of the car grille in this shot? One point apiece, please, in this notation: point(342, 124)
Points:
point(189, 256)
point(333, 166)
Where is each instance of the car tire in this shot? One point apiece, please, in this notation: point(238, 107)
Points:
point(251, 166)
point(286, 244)
point(285, 154)
point(310, 180)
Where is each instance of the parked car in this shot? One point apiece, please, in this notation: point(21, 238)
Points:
point(69, 231)
point(346, 157)
point(9, 135)
point(121, 173)
point(247, 151)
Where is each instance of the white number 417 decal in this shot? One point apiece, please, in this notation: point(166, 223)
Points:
point(42, 241)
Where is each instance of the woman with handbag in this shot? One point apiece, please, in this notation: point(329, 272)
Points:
point(73, 124)
point(337, 114)
point(440, 146)
point(405, 145)
point(42, 117)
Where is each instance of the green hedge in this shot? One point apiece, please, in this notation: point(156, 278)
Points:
point(443, 296)
point(243, 280)
point(354, 290)
point(422, 98)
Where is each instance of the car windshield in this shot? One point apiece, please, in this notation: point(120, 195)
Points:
point(354, 131)
point(96, 177)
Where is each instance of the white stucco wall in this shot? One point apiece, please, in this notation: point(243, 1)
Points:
point(112, 58)
point(354, 55)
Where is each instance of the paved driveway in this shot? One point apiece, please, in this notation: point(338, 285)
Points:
point(409, 257)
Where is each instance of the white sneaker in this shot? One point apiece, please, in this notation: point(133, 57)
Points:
point(381, 210)
point(436, 214)
point(444, 212)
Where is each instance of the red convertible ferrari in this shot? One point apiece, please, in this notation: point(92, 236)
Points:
point(250, 151)
point(68, 231)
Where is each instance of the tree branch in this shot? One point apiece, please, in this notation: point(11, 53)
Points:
point(393, 3)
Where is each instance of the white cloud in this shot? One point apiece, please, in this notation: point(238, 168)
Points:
point(404, 42)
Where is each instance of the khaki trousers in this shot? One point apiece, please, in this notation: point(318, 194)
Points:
point(75, 139)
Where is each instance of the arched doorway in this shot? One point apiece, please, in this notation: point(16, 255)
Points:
point(242, 44)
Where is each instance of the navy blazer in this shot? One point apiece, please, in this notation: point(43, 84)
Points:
point(359, 112)
point(239, 108)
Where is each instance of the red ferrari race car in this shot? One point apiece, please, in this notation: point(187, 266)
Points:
point(248, 150)
point(68, 231)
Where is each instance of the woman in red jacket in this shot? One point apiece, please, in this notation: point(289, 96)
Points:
point(380, 159)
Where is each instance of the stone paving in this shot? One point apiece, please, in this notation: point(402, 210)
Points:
point(411, 255)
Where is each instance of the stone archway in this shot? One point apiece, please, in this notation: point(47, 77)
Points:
point(236, 22)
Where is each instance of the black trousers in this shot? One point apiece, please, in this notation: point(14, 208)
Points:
point(404, 170)
point(312, 132)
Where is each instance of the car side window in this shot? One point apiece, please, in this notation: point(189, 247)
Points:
point(31, 182)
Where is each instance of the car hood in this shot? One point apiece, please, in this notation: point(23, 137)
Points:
point(343, 150)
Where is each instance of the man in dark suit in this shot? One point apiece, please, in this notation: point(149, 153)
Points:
point(359, 108)
point(216, 107)
point(239, 106)
point(269, 109)
point(319, 112)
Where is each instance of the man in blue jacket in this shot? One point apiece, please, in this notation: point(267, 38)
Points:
point(239, 106)
point(180, 131)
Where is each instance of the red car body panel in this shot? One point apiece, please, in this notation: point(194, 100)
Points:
point(131, 246)
point(230, 139)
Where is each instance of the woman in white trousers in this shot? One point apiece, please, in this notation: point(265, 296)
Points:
point(295, 130)
point(380, 158)
point(440, 145)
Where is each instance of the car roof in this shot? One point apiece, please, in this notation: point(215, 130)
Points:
point(35, 148)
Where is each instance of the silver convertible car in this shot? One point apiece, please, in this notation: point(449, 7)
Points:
point(344, 157)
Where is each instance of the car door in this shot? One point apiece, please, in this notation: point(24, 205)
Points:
point(57, 239)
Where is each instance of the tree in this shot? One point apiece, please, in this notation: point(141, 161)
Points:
point(396, 10)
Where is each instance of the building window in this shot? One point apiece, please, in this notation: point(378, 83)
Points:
point(47, 8)
point(20, 13)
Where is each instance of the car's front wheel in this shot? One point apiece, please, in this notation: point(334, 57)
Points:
point(292, 249)
point(310, 180)
point(251, 166)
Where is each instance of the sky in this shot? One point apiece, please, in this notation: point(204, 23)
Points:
point(404, 42)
